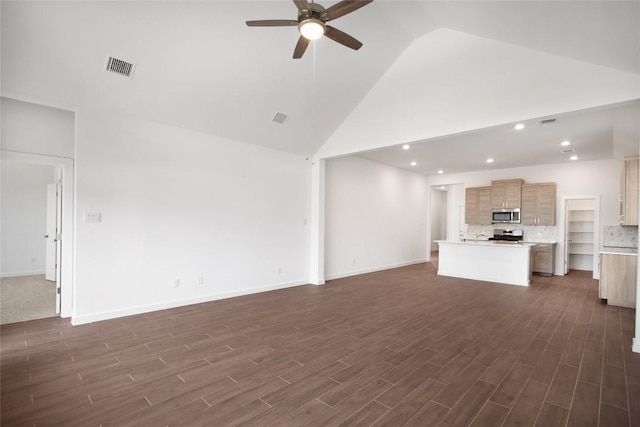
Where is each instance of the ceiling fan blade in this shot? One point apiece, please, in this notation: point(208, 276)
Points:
point(302, 5)
point(341, 37)
point(300, 47)
point(344, 7)
point(273, 23)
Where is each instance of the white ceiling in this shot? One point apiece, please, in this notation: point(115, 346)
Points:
point(199, 67)
point(602, 133)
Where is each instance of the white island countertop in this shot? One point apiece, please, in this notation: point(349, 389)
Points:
point(491, 243)
point(486, 260)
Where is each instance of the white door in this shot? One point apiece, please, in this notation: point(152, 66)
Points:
point(58, 244)
point(51, 233)
point(53, 240)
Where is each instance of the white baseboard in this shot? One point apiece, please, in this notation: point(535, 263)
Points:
point(22, 273)
point(373, 269)
point(96, 317)
point(635, 347)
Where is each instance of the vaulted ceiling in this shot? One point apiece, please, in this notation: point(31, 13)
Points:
point(198, 65)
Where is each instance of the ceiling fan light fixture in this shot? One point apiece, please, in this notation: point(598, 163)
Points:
point(311, 28)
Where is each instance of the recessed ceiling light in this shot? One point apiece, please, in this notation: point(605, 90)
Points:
point(406, 146)
point(489, 160)
point(565, 143)
point(574, 157)
point(519, 126)
point(442, 187)
point(413, 163)
point(440, 171)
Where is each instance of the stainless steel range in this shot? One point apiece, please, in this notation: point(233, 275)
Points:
point(506, 235)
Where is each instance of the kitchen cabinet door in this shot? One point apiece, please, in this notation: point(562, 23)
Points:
point(538, 204)
point(546, 203)
point(484, 205)
point(471, 206)
point(544, 255)
point(629, 192)
point(529, 209)
point(618, 279)
point(498, 194)
point(513, 194)
point(506, 193)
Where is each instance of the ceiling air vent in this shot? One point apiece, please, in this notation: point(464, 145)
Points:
point(119, 66)
point(280, 118)
point(547, 122)
point(567, 151)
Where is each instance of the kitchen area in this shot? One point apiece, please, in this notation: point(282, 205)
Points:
point(513, 229)
point(494, 247)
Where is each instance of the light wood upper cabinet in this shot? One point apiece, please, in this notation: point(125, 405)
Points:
point(538, 204)
point(506, 193)
point(529, 208)
point(629, 192)
point(477, 206)
point(546, 203)
point(471, 206)
point(484, 205)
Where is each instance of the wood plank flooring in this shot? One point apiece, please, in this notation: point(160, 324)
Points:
point(402, 347)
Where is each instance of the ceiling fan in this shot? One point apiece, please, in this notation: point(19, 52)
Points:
point(312, 23)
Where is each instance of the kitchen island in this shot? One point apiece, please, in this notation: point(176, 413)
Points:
point(508, 263)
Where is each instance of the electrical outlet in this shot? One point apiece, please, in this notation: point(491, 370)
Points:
point(279, 270)
point(33, 259)
point(201, 280)
point(176, 283)
point(354, 260)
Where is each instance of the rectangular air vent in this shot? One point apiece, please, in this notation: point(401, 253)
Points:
point(280, 118)
point(119, 66)
point(567, 151)
point(547, 122)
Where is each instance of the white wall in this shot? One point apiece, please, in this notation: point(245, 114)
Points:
point(36, 129)
point(23, 210)
point(375, 217)
point(178, 204)
point(455, 210)
point(438, 215)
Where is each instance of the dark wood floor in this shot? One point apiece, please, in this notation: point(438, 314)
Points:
point(400, 347)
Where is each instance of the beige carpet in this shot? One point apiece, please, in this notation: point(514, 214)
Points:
point(26, 298)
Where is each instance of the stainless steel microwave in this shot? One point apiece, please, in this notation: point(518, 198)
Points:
point(509, 216)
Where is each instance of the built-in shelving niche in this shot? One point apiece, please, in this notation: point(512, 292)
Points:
point(581, 236)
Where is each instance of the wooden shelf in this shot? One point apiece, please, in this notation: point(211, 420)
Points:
point(581, 232)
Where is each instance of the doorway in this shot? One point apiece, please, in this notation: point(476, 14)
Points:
point(581, 234)
point(63, 177)
point(29, 283)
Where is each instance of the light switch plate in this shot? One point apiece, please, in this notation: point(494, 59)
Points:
point(92, 217)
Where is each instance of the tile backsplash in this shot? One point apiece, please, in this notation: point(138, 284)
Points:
point(616, 235)
point(542, 234)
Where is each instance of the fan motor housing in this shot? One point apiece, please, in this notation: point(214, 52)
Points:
point(316, 11)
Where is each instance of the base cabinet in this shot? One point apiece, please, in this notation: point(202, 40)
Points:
point(543, 259)
point(618, 279)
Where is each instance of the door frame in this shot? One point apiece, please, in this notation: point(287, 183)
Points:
point(67, 239)
point(596, 232)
